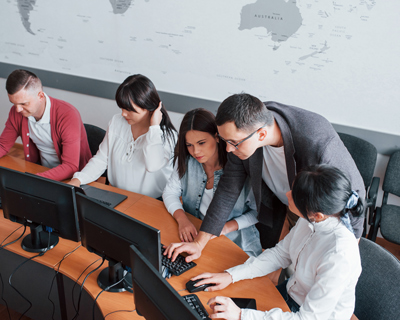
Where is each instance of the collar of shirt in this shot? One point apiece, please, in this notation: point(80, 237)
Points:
point(328, 224)
point(46, 115)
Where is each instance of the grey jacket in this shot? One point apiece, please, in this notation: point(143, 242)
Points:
point(308, 139)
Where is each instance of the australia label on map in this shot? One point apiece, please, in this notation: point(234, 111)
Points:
point(281, 19)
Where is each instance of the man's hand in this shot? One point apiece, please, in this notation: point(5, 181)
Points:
point(221, 280)
point(75, 182)
point(156, 117)
point(192, 248)
point(224, 308)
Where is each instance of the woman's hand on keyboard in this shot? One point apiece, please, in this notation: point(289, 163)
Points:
point(224, 308)
point(221, 280)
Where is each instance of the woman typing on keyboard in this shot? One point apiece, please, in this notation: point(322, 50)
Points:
point(321, 246)
point(137, 149)
point(199, 160)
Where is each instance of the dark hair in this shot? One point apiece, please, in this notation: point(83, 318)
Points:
point(21, 79)
point(326, 189)
point(139, 90)
point(199, 120)
point(245, 110)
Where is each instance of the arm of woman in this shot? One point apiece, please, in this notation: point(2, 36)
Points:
point(335, 276)
point(270, 260)
point(156, 153)
point(97, 164)
point(171, 197)
point(249, 215)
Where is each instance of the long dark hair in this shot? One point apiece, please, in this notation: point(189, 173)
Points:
point(326, 189)
point(139, 90)
point(199, 120)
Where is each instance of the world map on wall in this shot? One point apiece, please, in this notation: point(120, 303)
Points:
point(207, 49)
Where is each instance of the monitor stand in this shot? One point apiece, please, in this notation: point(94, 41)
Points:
point(38, 240)
point(110, 275)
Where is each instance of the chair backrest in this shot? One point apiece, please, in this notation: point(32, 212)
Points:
point(391, 183)
point(378, 288)
point(364, 155)
point(95, 136)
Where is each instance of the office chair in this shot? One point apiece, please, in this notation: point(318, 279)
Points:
point(377, 290)
point(95, 136)
point(387, 216)
point(364, 155)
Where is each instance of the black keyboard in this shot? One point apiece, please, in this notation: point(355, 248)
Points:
point(106, 203)
point(177, 267)
point(196, 305)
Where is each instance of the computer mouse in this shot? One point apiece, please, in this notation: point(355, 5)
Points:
point(190, 286)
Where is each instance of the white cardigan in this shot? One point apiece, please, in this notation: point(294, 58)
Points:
point(327, 265)
point(143, 165)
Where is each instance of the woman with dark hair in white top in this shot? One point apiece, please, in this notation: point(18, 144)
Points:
point(138, 147)
point(321, 246)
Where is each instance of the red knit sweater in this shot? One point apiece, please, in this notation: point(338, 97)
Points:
point(68, 135)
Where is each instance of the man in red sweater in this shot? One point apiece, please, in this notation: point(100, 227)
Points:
point(51, 130)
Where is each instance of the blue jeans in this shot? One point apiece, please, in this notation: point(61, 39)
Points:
point(293, 306)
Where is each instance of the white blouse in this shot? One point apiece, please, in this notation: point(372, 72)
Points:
point(143, 165)
point(327, 265)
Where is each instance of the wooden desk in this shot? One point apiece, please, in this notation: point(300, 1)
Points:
point(219, 254)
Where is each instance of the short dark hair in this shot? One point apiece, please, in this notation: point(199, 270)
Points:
point(139, 90)
point(21, 79)
point(326, 189)
point(245, 110)
point(199, 120)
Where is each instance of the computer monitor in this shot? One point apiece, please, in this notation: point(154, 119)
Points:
point(42, 204)
point(109, 233)
point(154, 297)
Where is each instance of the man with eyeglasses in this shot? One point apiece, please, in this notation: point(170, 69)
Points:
point(269, 142)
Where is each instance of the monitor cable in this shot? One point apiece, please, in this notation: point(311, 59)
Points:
point(118, 311)
point(15, 270)
point(7, 244)
point(1, 278)
point(2, 297)
point(83, 283)
point(106, 289)
point(57, 266)
point(73, 288)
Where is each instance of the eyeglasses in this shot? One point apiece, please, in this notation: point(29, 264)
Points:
point(240, 142)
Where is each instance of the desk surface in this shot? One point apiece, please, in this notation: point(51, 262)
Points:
point(219, 254)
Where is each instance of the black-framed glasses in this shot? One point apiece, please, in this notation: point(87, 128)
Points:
point(237, 144)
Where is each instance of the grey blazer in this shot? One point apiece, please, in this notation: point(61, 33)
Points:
point(308, 139)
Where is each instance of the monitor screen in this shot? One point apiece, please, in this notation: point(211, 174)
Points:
point(109, 233)
point(154, 297)
point(42, 204)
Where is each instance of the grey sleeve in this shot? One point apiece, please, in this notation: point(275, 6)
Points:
point(229, 187)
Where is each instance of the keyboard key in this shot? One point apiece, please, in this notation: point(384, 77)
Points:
point(195, 303)
point(177, 267)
